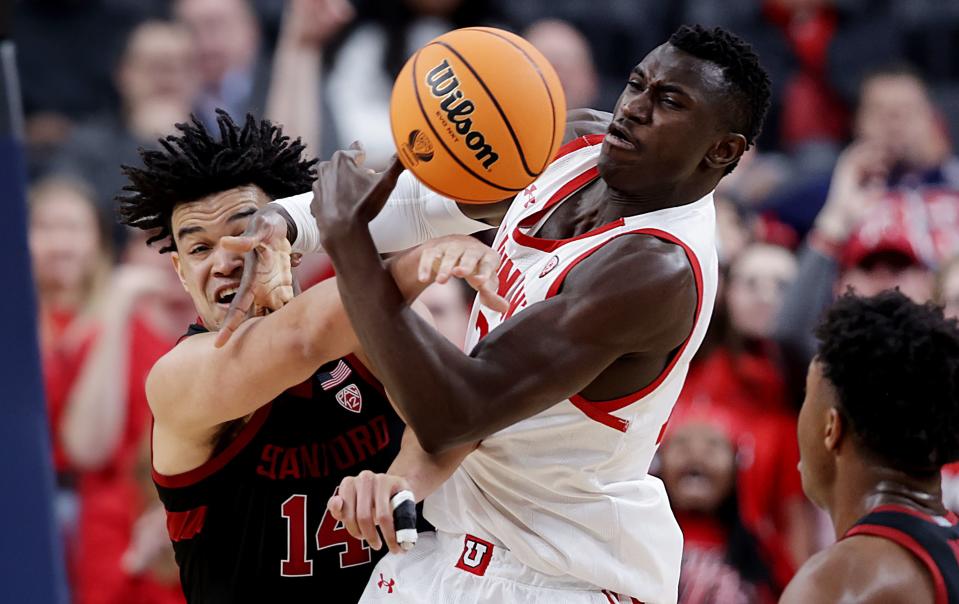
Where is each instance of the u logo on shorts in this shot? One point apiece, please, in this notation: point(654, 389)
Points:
point(476, 555)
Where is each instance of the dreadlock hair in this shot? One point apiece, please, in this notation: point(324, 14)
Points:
point(748, 83)
point(895, 368)
point(193, 164)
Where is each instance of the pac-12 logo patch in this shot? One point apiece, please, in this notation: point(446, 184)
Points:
point(476, 555)
point(549, 266)
point(350, 398)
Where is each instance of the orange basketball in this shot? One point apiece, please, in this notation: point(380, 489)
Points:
point(477, 114)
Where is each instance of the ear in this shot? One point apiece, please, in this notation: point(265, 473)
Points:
point(726, 151)
point(175, 258)
point(835, 430)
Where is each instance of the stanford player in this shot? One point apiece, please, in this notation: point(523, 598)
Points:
point(609, 264)
point(880, 419)
point(251, 439)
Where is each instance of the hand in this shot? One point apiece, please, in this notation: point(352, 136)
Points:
point(131, 281)
point(148, 541)
point(267, 281)
point(465, 258)
point(362, 503)
point(857, 182)
point(313, 23)
point(346, 195)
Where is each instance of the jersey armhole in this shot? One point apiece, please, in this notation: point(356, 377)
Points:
point(907, 542)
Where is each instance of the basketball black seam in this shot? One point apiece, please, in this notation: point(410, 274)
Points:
point(502, 114)
point(552, 105)
point(439, 138)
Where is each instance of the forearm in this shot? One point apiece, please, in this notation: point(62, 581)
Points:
point(96, 412)
point(422, 370)
point(425, 472)
point(294, 95)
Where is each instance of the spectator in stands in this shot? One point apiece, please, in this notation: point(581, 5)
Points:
point(66, 55)
point(723, 562)
point(71, 259)
point(740, 375)
point(107, 417)
point(568, 52)
point(157, 85)
point(367, 62)
point(234, 73)
point(867, 237)
point(905, 155)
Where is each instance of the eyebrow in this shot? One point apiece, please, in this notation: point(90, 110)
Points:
point(183, 232)
point(664, 87)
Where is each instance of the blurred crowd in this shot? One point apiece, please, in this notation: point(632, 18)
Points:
point(854, 184)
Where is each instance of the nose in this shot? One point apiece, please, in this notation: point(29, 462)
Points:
point(639, 108)
point(226, 263)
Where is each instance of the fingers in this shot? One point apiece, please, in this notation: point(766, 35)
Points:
point(490, 299)
point(468, 262)
point(239, 245)
point(383, 510)
point(242, 301)
point(365, 520)
point(428, 258)
point(347, 506)
point(375, 199)
point(447, 262)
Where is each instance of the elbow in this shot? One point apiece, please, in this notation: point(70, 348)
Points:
point(84, 454)
point(439, 433)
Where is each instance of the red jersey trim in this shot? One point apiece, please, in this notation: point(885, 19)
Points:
point(902, 509)
point(549, 245)
point(910, 544)
point(597, 409)
point(185, 525)
point(578, 143)
point(217, 462)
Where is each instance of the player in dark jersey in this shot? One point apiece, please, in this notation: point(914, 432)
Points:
point(880, 419)
point(251, 439)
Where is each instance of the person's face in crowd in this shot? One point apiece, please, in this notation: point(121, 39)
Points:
point(668, 124)
point(819, 431)
point(65, 240)
point(568, 52)
point(208, 272)
point(158, 66)
point(698, 467)
point(896, 114)
point(949, 293)
point(449, 310)
point(882, 271)
point(758, 280)
point(225, 33)
point(732, 234)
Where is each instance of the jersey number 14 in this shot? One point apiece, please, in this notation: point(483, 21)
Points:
point(330, 533)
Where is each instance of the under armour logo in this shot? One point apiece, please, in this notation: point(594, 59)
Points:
point(387, 584)
point(528, 192)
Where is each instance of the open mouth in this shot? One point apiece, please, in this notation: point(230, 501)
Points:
point(619, 138)
point(225, 295)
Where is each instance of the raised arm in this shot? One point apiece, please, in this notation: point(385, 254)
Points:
point(610, 306)
point(198, 385)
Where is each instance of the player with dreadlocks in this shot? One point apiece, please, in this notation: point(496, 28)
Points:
point(609, 263)
point(251, 439)
point(880, 419)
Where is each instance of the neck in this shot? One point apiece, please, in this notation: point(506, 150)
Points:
point(60, 299)
point(867, 487)
point(621, 203)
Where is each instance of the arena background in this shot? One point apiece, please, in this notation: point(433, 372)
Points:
point(855, 182)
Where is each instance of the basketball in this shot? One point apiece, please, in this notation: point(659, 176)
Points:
point(477, 114)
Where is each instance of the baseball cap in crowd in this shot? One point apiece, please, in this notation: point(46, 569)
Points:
point(891, 243)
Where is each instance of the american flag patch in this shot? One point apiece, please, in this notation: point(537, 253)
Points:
point(336, 377)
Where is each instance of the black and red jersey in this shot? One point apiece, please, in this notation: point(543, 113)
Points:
point(934, 540)
point(251, 524)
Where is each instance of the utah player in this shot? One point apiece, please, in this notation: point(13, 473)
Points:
point(880, 419)
point(610, 267)
point(251, 439)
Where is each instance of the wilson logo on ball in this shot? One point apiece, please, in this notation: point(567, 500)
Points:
point(444, 84)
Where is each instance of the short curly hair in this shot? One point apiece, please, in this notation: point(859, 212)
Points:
point(750, 87)
point(895, 367)
point(194, 164)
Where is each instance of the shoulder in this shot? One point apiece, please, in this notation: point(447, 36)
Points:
point(173, 370)
point(861, 569)
point(581, 122)
point(644, 285)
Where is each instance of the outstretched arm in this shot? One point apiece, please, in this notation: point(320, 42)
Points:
point(615, 307)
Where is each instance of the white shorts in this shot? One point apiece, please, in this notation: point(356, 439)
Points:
point(461, 569)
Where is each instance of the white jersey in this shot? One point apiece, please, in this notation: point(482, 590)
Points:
point(567, 490)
